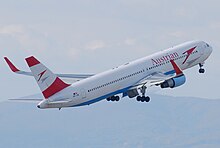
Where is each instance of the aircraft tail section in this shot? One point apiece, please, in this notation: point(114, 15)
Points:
point(48, 82)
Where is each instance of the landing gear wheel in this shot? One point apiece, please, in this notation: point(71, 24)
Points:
point(147, 99)
point(201, 70)
point(138, 98)
point(113, 98)
point(143, 99)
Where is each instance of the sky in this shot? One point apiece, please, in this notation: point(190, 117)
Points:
point(92, 36)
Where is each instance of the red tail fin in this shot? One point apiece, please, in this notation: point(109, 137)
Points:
point(48, 82)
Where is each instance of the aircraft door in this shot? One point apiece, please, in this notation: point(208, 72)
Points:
point(83, 93)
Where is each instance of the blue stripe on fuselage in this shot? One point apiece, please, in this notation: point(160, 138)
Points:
point(169, 72)
point(103, 97)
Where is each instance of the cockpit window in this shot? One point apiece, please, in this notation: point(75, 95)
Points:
point(207, 45)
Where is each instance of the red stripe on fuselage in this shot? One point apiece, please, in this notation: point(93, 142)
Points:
point(31, 61)
point(55, 87)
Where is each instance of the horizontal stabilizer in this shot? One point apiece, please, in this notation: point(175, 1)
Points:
point(29, 98)
point(25, 99)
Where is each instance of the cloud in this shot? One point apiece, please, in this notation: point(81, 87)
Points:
point(96, 44)
point(27, 37)
point(17, 32)
point(183, 12)
point(178, 34)
point(73, 53)
point(130, 41)
point(215, 25)
point(12, 30)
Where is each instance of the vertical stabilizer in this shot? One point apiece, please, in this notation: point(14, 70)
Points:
point(48, 82)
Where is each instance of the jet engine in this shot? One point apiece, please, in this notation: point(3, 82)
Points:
point(174, 82)
point(132, 93)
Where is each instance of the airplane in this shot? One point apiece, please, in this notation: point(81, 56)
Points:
point(163, 69)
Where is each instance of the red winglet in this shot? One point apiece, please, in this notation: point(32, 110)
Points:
point(31, 61)
point(176, 68)
point(12, 66)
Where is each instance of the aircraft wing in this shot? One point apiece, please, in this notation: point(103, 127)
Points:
point(154, 78)
point(66, 77)
point(157, 78)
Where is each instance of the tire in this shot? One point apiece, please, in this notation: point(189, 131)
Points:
point(147, 99)
point(201, 70)
point(142, 99)
point(138, 98)
point(117, 98)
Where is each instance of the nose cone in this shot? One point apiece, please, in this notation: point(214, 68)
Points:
point(210, 50)
point(207, 49)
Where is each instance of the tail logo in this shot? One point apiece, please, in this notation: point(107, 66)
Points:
point(41, 74)
point(188, 52)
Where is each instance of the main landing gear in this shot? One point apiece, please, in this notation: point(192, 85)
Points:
point(113, 98)
point(201, 70)
point(143, 98)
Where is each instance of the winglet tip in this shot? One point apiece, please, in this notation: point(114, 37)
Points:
point(11, 66)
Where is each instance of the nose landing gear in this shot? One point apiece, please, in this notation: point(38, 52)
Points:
point(201, 70)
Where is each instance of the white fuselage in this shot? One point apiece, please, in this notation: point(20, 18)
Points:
point(120, 79)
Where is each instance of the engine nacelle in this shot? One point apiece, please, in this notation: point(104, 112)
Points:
point(174, 82)
point(132, 93)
